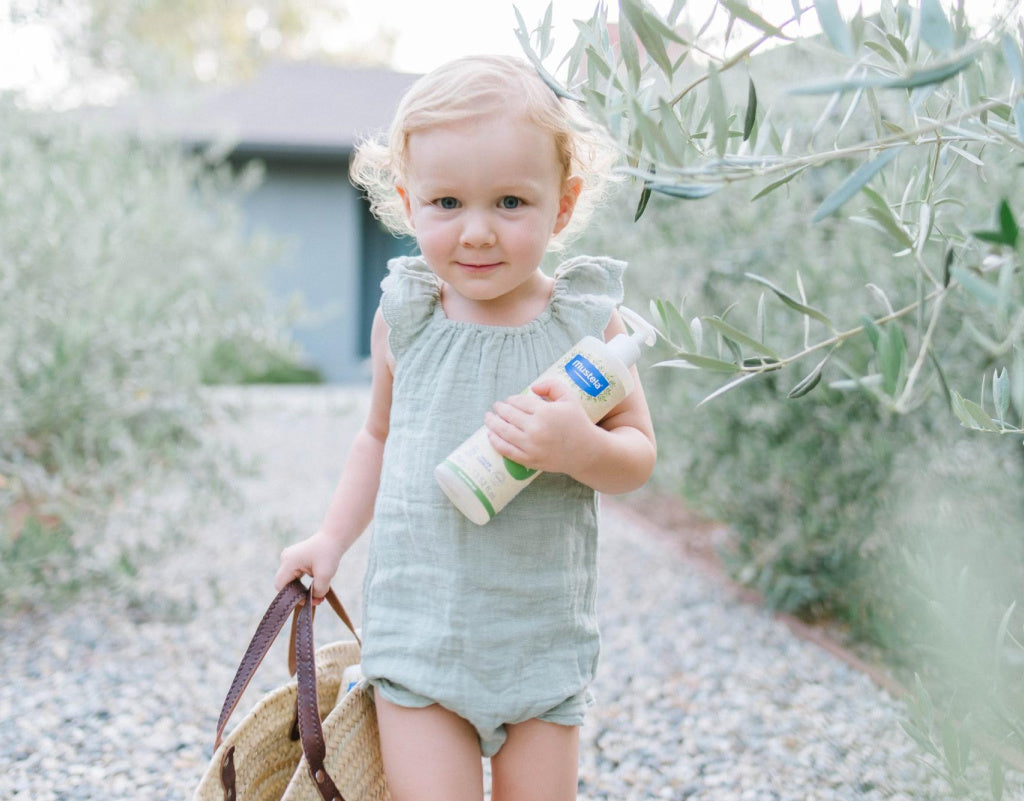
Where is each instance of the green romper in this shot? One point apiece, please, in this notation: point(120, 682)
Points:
point(495, 623)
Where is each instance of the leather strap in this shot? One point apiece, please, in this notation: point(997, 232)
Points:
point(227, 774)
point(266, 632)
point(310, 729)
point(297, 601)
point(339, 610)
point(291, 642)
point(284, 604)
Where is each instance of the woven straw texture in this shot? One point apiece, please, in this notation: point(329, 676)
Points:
point(265, 755)
point(353, 753)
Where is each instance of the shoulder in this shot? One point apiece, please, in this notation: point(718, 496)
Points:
point(410, 293)
point(410, 276)
point(591, 274)
point(587, 290)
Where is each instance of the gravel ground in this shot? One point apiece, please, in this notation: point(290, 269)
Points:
point(700, 695)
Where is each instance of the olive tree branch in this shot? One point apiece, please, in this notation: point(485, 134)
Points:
point(902, 403)
point(840, 337)
point(747, 170)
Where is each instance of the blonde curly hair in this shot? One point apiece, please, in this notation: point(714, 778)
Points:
point(475, 86)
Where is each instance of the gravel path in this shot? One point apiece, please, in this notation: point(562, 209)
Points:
point(700, 696)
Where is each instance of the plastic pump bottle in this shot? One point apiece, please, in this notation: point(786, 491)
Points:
point(481, 482)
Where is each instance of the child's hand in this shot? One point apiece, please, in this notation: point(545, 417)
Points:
point(317, 556)
point(546, 429)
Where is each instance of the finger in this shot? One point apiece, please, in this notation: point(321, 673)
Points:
point(517, 410)
point(502, 427)
point(320, 588)
point(508, 450)
point(284, 576)
point(549, 390)
point(541, 388)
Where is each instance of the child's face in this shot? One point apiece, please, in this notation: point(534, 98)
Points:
point(484, 197)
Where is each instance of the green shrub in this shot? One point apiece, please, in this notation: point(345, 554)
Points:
point(811, 488)
point(906, 528)
point(247, 361)
point(873, 157)
point(123, 267)
point(799, 483)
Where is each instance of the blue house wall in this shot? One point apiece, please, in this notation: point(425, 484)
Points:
point(313, 211)
point(334, 257)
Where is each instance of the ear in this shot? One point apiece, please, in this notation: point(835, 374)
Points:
point(404, 194)
point(567, 202)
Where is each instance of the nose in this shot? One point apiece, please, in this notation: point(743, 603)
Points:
point(477, 231)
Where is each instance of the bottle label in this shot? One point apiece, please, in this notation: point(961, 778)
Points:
point(493, 480)
point(586, 376)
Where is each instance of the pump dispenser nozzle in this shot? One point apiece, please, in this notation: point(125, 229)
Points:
point(627, 346)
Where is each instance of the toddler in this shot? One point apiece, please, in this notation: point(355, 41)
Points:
point(480, 640)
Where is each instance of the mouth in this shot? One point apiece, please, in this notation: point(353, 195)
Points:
point(478, 267)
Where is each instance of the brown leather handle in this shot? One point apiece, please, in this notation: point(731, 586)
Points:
point(293, 596)
point(266, 632)
point(339, 610)
point(311, 730)
point(297, 601)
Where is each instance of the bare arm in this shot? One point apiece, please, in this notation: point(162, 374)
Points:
point(351, 506)
point(549, 430)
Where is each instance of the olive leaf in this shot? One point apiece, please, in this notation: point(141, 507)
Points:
point(854, 183)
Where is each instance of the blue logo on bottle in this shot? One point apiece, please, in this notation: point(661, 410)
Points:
point(586, 376)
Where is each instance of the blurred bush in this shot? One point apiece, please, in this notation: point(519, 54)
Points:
point(244, 360)
point(902, 528)
point(839, 316)
point(816, 491)
point(125, 277)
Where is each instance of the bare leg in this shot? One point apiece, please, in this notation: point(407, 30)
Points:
point(430, 754)
point(538, 762)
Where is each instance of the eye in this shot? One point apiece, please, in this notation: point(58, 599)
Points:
point(447, 203)
point(511, 202)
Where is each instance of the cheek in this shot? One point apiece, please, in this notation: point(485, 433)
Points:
point(533, 236)
point(431, 237)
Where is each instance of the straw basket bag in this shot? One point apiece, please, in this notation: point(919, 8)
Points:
point(308, 740)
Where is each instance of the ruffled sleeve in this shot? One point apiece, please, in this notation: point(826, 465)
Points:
point(587, 290)
point(411, 293)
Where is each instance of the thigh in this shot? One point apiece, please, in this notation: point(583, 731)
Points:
point(538, 762)
point(430, 754)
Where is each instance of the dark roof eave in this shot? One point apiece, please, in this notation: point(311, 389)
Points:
point(284, 151)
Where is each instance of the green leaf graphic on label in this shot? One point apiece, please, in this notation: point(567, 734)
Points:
point(517, 471)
